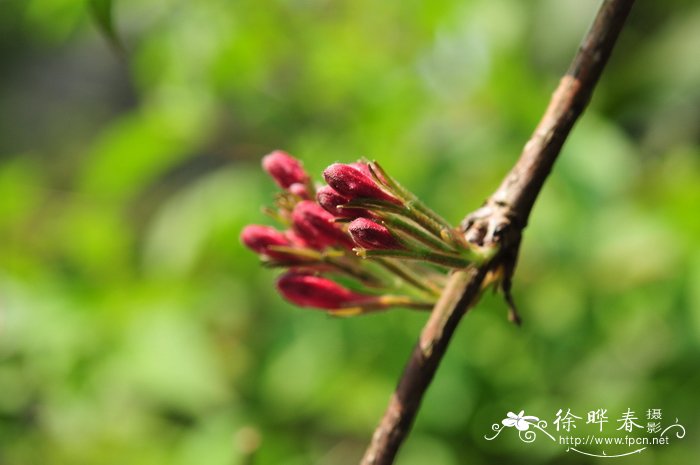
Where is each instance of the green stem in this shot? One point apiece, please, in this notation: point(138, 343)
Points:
point(413, 209)
point(409, 276)
point(373, 204)
point(301, 256)
point(394, 185)
point(417, 233)
point(403, 301)
point(364, 276)
point(451, 261)
point(381, 303)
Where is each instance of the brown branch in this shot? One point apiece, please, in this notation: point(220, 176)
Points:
point(499, 224)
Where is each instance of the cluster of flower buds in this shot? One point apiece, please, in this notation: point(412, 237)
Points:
point(362, 229)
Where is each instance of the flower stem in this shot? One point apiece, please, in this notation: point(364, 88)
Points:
point(354, 270)
point(409, 276)
point(410, 198)
point(451, 261)
point(403, 301)
point(417, 233)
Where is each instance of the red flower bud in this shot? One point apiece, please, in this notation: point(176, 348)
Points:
point(284, 169)
point(307, 290)
point(317, 227)
point(362, 167)
point(300, 190)
point(370, 235)
point(295, 239)
point(332, 202)
point(260, 238)
point(353, 183)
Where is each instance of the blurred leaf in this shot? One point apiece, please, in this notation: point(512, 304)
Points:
point(102, 12)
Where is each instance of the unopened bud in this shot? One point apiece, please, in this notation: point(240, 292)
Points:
point(284, 169)
point(363, 166)
point(295, 239)
point(260, 238)
point(353, 183)
point(317, 227)
point(300, 190)
point(306, 290)
point(371, 235)
point(333, 202)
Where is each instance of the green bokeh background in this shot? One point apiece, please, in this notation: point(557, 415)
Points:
point(135, 329)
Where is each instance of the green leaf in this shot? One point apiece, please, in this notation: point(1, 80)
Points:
point(101, 12)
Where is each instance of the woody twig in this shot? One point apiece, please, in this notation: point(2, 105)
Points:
point(498, 226)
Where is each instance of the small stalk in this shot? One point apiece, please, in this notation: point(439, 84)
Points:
point(403, 301)
point(425, 215)
point(409, 276)
point(364, 276)
point(450, 261)
point(408, 196)
point(381, 303)
point(373, 204)
point(302, 257)
point(417, 233)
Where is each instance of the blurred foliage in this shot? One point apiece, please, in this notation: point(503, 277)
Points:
point(135, 329)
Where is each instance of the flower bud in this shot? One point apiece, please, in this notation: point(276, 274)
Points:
point(332, 202)
point(295, 239)
point(260, 238)
point(370, 235)
point(300, 190)
point(363, 167)
point(284, 169)
point(351, 182)
point(307, 290)
point(317, 227)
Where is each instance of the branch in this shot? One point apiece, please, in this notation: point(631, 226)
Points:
point(499, 224)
